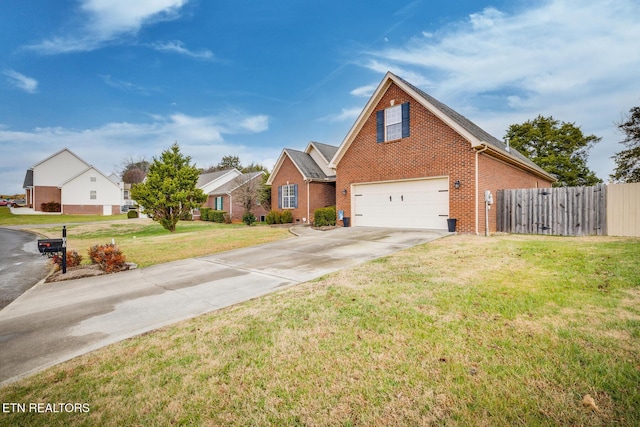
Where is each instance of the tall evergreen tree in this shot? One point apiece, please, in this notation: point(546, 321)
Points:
point(169, 192)
point(557, 147)
point(628, 160)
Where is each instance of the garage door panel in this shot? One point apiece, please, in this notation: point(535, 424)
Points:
point(407, 204)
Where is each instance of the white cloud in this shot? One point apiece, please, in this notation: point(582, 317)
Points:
point(178, 47)
point(125, 85)
point(347, 114)
point(577, 62)
point(108, 20)
point(204, 138)
point(21, 81)
point(364, 91)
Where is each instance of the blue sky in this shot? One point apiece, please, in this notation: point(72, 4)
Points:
point(117, 79)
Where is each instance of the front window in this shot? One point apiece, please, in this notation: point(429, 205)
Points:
point(288, 196)
point(93, 195)
point(219, 203)
point(393, 123)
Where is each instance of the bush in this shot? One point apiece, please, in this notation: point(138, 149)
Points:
point(73, 259)
point(217, 216)
point(204, 214)
point(132, 214)
point(248, 218)
point(226, 218)
point(50, 207)
point(108, 257)
point(273, 217)
point(287, 217)
point(324, 216)
point(186, 216)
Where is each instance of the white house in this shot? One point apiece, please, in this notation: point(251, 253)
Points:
point(77, 186)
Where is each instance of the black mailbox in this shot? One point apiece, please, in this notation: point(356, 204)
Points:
point(47, 246)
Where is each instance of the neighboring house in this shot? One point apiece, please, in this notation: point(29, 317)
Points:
point(302, 181)
point(125, 192)
point(67, 179)
point(410, 161)
point(226, 189)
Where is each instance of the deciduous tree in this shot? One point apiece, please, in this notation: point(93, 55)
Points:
point(628, 160)
point(170, 192)
point(557, 147)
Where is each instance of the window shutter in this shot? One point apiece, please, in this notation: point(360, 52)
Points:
point(380, 126)
point(405, 120)
point(280, 197)
point(295, 196)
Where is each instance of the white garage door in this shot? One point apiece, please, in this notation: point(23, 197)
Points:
point(406, 204)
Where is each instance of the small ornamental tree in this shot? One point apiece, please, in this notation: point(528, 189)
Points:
point(169, 192)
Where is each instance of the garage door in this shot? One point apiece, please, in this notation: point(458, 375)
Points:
point(405, 204)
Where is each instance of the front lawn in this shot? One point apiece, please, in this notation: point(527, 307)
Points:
point(7, 218)
point(466, 330)
point(146, 243)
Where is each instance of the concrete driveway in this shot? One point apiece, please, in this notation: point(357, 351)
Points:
point(52, 323)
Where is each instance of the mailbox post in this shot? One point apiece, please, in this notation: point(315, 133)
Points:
point(51, 247)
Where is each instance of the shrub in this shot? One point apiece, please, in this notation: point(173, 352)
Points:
point(186, 216)
point(273, 217)
point(132, 214)
point(108, 257)
point(324, 216)
point(287, 217)
point(216, 216)
point(248, 218)
point(226, 218)
point(204, 214)
point(73, 259)
point(50, 207)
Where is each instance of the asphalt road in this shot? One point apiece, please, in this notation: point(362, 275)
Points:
point(21, 265)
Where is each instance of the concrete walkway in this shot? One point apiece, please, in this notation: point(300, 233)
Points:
point(52, 323)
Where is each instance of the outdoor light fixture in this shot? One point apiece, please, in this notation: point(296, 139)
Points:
point(456, 184)
point(344, 191)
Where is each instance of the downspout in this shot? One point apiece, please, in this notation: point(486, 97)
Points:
point(308, 201)
point(486, 146)
point(230, 205)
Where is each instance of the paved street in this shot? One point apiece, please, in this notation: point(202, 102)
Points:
point(21, 265)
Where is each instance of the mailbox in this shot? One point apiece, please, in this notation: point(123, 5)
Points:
point(47, 246)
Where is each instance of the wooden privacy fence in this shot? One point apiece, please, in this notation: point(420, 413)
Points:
point(561, 211)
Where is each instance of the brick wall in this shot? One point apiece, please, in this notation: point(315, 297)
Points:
point(494, 175)
point(45, 194)
point(83, 209)
point(289, 174)
point(321, 194)
point(432, 149)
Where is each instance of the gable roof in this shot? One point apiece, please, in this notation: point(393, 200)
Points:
point(307, 165)
point(206, 178)
point(28, 179)
point(58, 153)
point(477, 137)
point(235, 183)
point(83, 172)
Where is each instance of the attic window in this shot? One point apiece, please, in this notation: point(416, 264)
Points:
point(392, 123)
point(92, 179)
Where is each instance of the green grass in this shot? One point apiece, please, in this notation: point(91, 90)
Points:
point(146, 243)
point(7, 218)
point(466, 330)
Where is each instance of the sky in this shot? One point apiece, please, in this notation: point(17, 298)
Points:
point(114, 80)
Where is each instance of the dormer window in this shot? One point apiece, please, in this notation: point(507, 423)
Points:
point(392, 123)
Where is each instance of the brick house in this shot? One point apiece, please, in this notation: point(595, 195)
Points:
point(410, 161)
point(225, 190)
point(302, 181)
point(77, 186)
